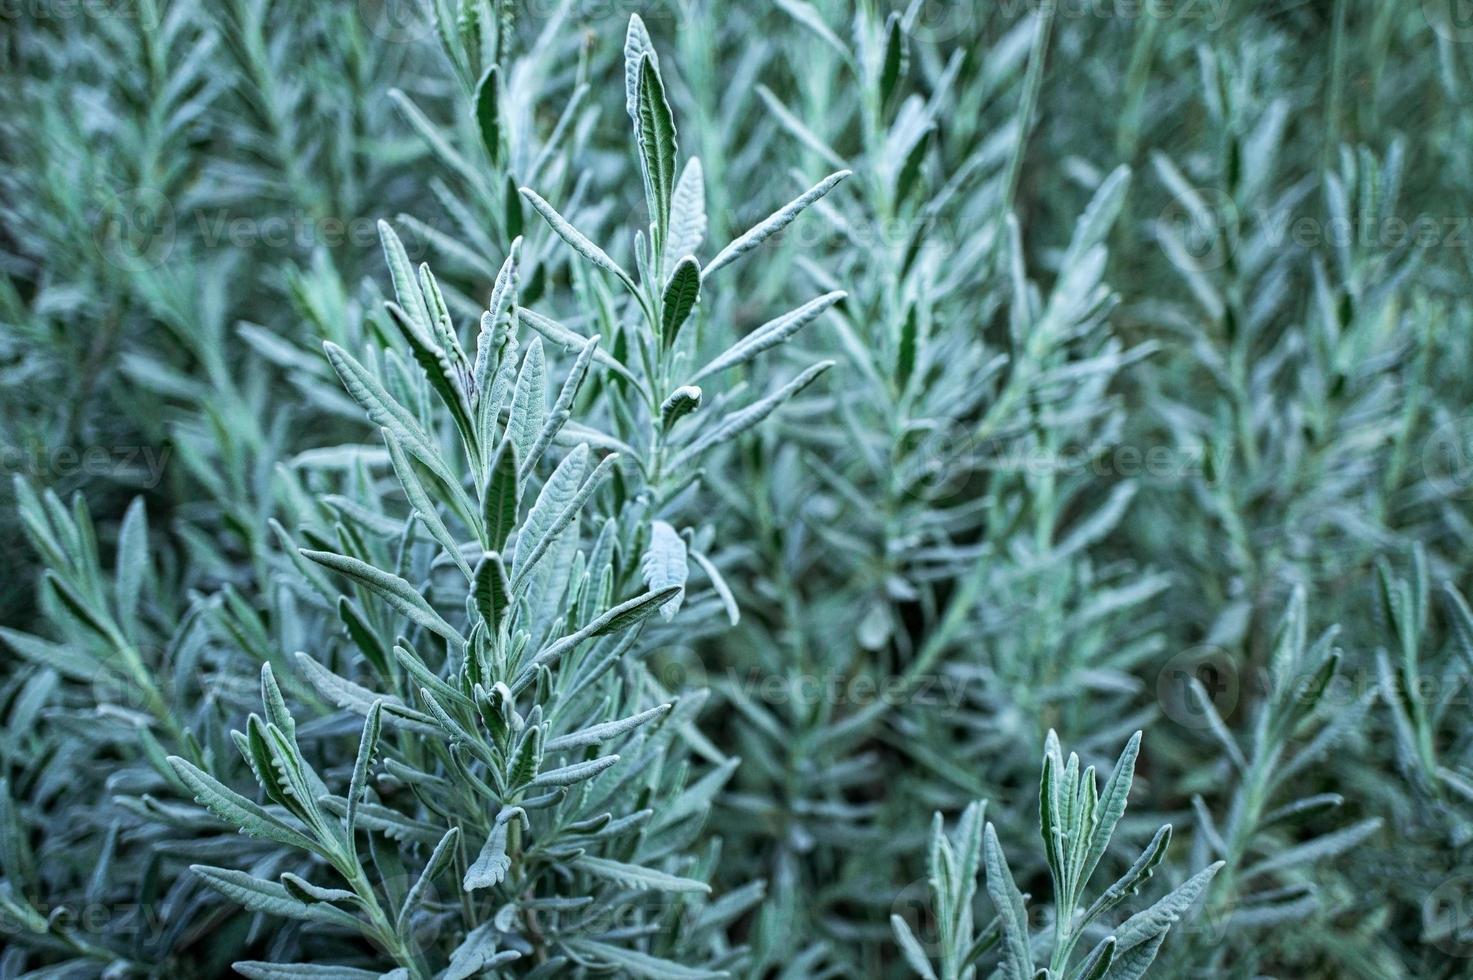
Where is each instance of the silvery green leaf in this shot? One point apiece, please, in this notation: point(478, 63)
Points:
point(424, 507)
point(387, 413)
point(595, 734)
point(663, 565)
point(633, 963)
point(492, 864)
point(132, 566)
point(575, 773)
point(398, 593)
point(637, 48)
point(1097, 963)
point(560, 490)
point(810, 17)
point(621, 617)
point(305, 891)
point(1155, 921)
point(578, 241)
point(1137, 875)
point(274, 704)
point(258, 895)
point(770, 334)
point(60, 657)
point(440, 858)
point(358, 699)
point(1099, 217)
point(687, 215)
point(478, 953)
point(682, 401)
point(655, 129)
point(367, 746)
point(503, 298)
point(910, 948)
point(773, 224)
point(1132, 963)
point(801, 132)
point(1009, 904)
point(718, 582)
point(406, 283)
point(529, 402)
point(635, 876)
point(260, 970)
point(236, 810)
point(562, 408)
point(558, 334)
point(1322, 847)
point(1111, 805)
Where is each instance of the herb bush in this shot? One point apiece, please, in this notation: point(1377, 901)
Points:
point(580, 489)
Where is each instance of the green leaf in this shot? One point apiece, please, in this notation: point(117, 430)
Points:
point(681, 294)
point(562, 409)
point(1097, 963)
point(501, 502)
point(488, 113)
point(1111, 806)
point(493, 591)
point(1138, 874)
point(682, 401)
point(258, 970)
point(575, 773)
point(132, 565)
point(552, 503)
point(637, 47)
point(621, 617)
point(1155, 921)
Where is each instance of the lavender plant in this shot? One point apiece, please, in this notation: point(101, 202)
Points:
point(623, 596)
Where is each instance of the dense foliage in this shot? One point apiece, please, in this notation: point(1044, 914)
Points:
point(587, 488)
